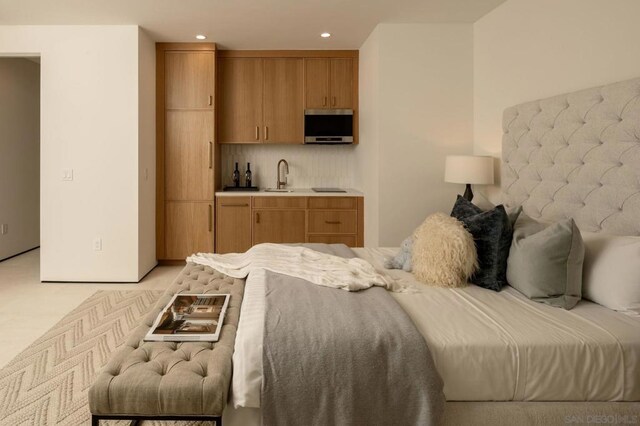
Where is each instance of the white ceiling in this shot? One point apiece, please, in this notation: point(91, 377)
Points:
point(247, 24)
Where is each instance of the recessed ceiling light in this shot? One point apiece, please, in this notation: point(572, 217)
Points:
point(325, 35)
point(201, 37)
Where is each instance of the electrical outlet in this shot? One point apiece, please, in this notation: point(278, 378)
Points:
point(67, 174)
point(4, 229)
point(97, 244)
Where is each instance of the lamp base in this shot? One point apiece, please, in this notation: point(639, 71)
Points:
point(468, 193)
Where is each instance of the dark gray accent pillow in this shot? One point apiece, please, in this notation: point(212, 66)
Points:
point(545, 263)
point(492, 234)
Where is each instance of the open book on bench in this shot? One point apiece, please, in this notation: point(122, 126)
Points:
point(190, 318)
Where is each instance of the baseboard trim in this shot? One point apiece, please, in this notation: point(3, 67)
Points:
point(18, 254)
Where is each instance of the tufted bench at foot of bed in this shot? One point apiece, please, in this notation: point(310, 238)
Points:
point(169, 380)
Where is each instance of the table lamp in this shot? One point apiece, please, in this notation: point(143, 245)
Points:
point(468, 169)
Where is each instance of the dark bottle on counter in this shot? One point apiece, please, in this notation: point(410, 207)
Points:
point(247, 176)
point(236, 177)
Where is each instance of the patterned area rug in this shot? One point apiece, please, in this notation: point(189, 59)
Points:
point(48, 383)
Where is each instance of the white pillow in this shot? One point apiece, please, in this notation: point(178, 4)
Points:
point(612, 271)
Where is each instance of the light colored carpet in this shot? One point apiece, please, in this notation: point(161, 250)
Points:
point(48, 383)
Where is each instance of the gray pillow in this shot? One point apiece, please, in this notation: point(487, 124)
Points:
point(545, 261)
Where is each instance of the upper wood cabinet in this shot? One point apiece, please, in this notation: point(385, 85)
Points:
point(190, 79)
point(240, 100)
point(283, 120)
point(341, 83)
point(329, 83)
point(261, 100)
point(316, 78)
point(262, 95)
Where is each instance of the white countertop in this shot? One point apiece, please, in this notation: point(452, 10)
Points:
point(296, 192)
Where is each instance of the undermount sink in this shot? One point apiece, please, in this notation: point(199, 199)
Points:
point(278, 190)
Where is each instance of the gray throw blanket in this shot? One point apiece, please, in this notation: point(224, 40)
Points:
point(333, 357)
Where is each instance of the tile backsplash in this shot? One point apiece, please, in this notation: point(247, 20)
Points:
point(309, 165)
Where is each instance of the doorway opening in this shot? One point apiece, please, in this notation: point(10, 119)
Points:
point(19, 155)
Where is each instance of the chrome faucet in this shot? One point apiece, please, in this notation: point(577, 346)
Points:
point(283, 183)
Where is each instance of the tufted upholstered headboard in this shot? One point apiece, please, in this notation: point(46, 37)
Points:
point(576, 155)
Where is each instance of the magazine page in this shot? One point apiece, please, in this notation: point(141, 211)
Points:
point(190, 317)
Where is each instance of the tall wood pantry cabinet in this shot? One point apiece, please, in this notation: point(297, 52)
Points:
point(187, 158)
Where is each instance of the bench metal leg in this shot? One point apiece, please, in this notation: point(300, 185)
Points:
point(135, 420)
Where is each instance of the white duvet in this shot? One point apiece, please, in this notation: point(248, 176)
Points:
point(486, 345)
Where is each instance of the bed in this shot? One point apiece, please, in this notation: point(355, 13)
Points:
point(505, 359)
point(489, 346)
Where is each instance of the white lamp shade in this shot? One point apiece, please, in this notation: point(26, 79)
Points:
point(469, 169)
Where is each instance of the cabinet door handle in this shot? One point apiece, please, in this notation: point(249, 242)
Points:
point(210, 211)
point(235, 205)
point(266, 133)
point(332, 222)
point(210, 100)
point(324, 101)
point(257, 132)
point(210, 155)
point(257, 217)
point(333, 101)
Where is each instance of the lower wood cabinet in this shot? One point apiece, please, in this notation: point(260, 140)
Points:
point(189, 228)
point(278, 226)
point(244, 221)
point(233, 219)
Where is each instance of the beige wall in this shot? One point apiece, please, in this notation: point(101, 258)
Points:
point(90, 122)
point(415, 109)
point(526, 50)
point(367, 162)
point(19, 155)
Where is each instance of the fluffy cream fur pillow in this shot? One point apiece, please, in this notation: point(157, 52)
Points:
point(444, 254)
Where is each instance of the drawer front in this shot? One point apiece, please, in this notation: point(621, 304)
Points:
point(349, 240)
point(332, 222)
point(333, 203)
point(233, 201)
point(279, 202)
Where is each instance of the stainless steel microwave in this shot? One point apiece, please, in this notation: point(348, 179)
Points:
point(328, 126)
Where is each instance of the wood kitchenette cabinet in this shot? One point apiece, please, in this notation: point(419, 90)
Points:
point(206, 97)
point(261, 100)
point(244, 221)
point(329, 83)
point(262, 95)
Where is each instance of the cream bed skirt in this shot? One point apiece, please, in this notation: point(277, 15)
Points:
point(502, 414)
